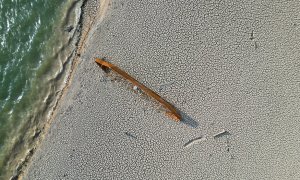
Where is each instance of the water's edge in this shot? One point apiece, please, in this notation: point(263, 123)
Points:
point(20, 158)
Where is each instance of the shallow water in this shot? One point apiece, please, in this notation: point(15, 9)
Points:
point(34, 41)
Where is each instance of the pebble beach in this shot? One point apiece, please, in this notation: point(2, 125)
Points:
point(232, 70)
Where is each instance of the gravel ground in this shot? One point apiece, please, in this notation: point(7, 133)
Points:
point(231, 68)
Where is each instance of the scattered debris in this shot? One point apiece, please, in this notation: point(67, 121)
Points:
point(221, 133)
point(194, 141)
point(69, 28)
point(173, 113)
point(130, 135)
point(252, 35)
point(162, 86)
point(255, 45)
point(135, 88)
point(37, 134)
point(231, 156)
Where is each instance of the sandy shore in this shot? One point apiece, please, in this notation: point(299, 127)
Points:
point(231, 68)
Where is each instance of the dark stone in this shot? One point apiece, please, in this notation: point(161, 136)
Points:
point(69, 28)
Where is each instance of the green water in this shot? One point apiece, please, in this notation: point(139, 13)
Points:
point(30, 43)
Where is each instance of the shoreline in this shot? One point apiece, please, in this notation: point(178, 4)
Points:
point(83, 34)
point(44, 126)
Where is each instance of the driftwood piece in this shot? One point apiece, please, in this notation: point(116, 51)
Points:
point(172, 112)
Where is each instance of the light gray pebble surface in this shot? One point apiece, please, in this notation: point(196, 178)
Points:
point(229, 66)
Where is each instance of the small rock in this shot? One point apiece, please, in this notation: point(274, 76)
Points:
point(135, 88)
point(69, 28)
